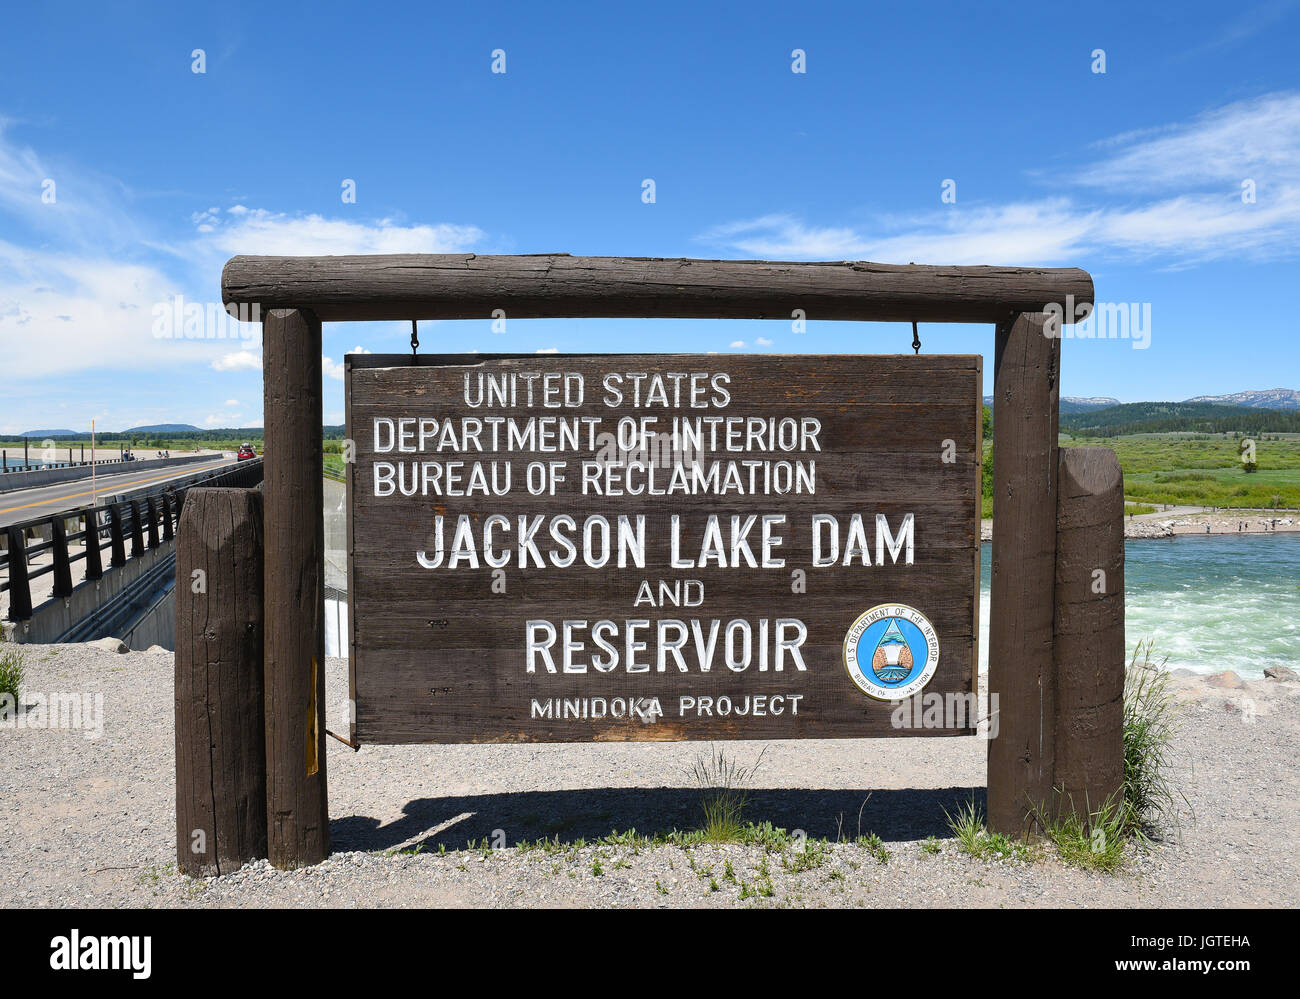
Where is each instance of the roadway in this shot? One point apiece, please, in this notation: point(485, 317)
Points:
point(24, 504)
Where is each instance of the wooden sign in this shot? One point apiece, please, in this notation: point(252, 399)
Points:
point(564, 548)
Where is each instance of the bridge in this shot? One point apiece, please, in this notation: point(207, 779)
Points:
point(82, 562)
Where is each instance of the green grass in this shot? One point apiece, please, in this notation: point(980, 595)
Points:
point(1191, 470)
point(1094, 842)
point(1151, 798)
point(1167, 469)
point(975, 839)
point(12, 670)
point(722, 782)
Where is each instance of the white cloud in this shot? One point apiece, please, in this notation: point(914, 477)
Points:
point(737, 343)
point(239, 360)
point(232, 402)
point(81, 295)
point(547, 350)
point(1173, 191)
point(257, 231)
point(1223, 146)
point(762, 341)
point(60, 312)
point(331, 368)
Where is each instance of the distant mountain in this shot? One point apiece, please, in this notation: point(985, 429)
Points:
point(162, 428)
point(1180, 417)
point(1278, 398)
point(1075, 404)
point(48, 433)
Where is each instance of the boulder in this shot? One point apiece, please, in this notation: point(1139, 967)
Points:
point(1283, 674)
point(110, 645)
point(157, 648)
point(1227, 680)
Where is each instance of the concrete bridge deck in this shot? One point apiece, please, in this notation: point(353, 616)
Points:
point(24, 504)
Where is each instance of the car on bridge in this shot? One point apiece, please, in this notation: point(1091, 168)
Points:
point(245, 452)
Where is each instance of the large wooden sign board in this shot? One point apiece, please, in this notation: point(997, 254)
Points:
point(566, 548)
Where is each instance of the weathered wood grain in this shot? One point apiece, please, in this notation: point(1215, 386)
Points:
point(1089, 629)
point(1021, 667)
point(468, 286)
point(437, 656)
point(297, 805)
point(220, 749)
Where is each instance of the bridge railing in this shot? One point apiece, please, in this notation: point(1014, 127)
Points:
point(146, 519)
point(15, 464)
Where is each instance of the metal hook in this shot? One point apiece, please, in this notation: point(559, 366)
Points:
point(916, 339)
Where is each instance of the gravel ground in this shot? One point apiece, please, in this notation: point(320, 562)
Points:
point(90, 822)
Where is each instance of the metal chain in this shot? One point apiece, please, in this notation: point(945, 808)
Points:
point(916, 339)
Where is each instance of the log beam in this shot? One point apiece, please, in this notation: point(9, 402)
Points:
point(468, 286)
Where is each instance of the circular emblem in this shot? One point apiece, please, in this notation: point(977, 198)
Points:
point(891, 652)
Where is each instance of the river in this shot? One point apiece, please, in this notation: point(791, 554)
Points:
point(1208, 603)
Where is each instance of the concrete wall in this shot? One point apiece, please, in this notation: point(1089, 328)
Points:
point(52, 620)
point(45, 477)
point(157, 626)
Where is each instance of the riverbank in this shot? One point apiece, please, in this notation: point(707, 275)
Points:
point(91, 822)
point(1194, 521)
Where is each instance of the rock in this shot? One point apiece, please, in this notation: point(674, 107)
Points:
point(110, 645)
point(1283, 674)
point(157, 648)
point(1227, 680)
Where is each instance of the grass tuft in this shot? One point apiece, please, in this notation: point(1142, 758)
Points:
point(723, 782)
point(1151, 798)
point(1094, 843)
point(975, 839)
point(12, 670)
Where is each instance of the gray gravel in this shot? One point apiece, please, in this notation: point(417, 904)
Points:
point(90, 822)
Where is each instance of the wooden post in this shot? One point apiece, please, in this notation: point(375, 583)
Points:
point(116, 536)
point(94, 564)
point(167, 531)
point(62, 566)
point(220, 755)
point(20, 587)
point(1021, 665)
point(1089, 630)
point(297, 805)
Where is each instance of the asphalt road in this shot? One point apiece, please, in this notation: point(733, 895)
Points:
point(24, 504)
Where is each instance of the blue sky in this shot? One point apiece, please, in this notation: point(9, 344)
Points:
point(160, 173)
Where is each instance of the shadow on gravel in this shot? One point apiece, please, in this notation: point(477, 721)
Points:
point(590, 814)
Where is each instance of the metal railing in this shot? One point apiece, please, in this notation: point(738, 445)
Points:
point(146, 518)
point(8, 464)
